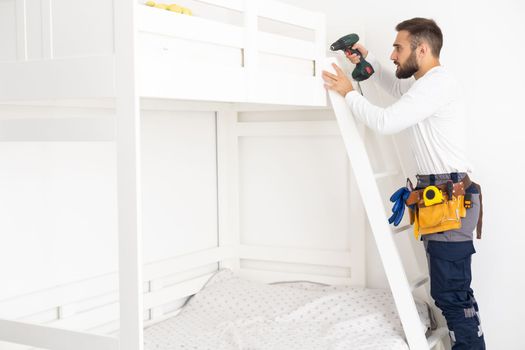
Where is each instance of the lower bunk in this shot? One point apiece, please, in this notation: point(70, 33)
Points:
point(232, 312)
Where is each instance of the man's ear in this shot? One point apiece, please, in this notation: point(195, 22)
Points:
point(423, 49)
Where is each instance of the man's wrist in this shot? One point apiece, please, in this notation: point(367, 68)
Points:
point(349, 93)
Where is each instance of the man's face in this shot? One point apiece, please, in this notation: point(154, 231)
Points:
point(403, 56)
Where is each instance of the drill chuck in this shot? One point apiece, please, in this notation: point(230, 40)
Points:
point(345, 43)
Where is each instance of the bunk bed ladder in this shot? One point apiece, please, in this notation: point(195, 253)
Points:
point(383, 233)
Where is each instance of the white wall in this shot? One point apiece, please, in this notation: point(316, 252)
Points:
point(483, 47)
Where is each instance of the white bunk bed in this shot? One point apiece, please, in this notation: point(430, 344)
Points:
point(157, 60)
point(155, 44)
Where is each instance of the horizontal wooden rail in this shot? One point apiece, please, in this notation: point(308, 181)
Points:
point(288, 128)
point(278, 276)
point(79, 77)
point(297, 256)
point(180, 290)
point(186, 262)
point(167, 23)
point(54, 338)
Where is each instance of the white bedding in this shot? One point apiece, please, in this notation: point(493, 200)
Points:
point(234, 313)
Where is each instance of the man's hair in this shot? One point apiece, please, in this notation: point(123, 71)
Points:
point(423, 29)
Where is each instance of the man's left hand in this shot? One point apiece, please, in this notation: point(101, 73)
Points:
point(338, 82)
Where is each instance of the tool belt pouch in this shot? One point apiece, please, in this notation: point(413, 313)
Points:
point(440, 217)
point(412, 215)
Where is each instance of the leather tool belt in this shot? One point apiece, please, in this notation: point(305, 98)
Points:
point(439, 208)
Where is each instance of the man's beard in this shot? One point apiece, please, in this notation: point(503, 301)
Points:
point(408, 69)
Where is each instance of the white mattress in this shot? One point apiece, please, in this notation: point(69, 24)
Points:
point(234, 313)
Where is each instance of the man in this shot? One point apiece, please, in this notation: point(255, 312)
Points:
point(431, 106)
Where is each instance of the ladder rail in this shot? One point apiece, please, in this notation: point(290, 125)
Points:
point(374, 207)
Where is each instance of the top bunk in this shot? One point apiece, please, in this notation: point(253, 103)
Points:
point(230, 51)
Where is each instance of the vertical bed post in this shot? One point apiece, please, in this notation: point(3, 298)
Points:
point(47, 29)
point(128, 177)
point(250, 56)
point(320, 53)
point(21, 30)
point(228, 188)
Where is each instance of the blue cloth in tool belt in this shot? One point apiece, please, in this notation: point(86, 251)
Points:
point(398, 210)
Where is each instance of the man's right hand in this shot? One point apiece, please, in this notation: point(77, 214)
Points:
point(354, 58)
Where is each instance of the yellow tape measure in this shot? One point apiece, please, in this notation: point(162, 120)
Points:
point(432, 195)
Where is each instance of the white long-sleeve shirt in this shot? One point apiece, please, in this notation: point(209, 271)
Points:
point(432, 107)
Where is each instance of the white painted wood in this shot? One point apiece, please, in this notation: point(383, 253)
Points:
point(284, 46)
point(320, 51)
point(162, 317)
point(159, 82)
point(228, 4)
point(187, 275)
point(250, 37)
point(34, 29)
point(53, 338)
point(68, 192)
point(183, 53)
point(293, 192)
point(92, 76)
point(43, 317)
point(57, 129)
point(89, 319)
point(297, 256)
point(155, 312)
point(418, 282)
point(287, 66)
point(148, 104)
point(181, 290)
point(155, 104)
point(357, 223)
point(254, 107)
point(179, 183)
point(43, 300)
point(110, 328)
point(167, 23)
point(248, 84)
point(378, 222)
point(401, 229)
point(228, 190)
point(9, 34)
point(65, 71)
point(182, 263)
point(277, 276)
point(65, 311)
point(300, 90)
point(82, 28)
point(92, 302)
point(290, 14)
point(128, 177)
point(21, 30)
point(80, 77)
point(47, 29)
point(92, 293)
point(87, 103)
point(288, 128)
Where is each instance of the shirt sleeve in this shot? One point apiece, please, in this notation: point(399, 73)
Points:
point(417, 104)
point(387, 80)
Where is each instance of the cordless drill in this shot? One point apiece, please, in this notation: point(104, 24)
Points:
point(363, 69)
